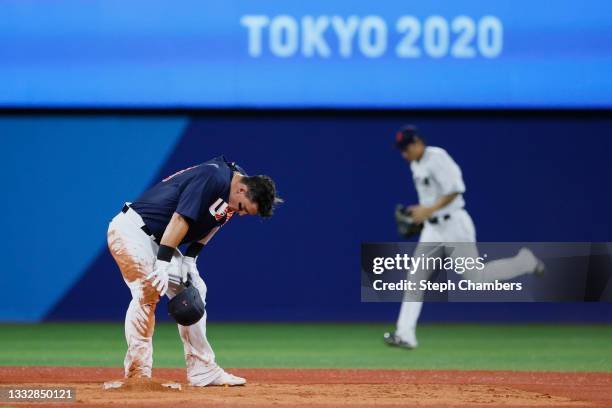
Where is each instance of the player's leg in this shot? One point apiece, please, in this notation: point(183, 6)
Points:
point(135, 252)
point(407, 322)
point(139, 327)
point(199, 355)
point(522, 263)
point(405, 334)
point(202, 368)
point(410, 310)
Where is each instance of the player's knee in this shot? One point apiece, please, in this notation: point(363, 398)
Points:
point(199, 284)
point(149, 296)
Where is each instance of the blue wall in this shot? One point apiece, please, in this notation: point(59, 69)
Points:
point(62, 179)
point(527, 179)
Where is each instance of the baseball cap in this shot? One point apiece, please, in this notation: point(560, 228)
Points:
point(405, 136)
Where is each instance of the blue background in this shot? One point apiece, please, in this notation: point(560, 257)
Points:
point(155, 53)
point(528, 179)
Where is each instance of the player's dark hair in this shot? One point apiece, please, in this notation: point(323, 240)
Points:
point(262, 191)
point(407, 135)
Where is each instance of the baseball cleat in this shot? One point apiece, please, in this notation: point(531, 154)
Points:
point(528, 255)
point(540, 268)
point(394, 340)
point(228, 380)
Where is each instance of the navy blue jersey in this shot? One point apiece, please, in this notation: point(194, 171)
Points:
point(199, 193)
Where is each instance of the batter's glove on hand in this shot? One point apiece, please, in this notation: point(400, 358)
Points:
point(159, 276)
point(162, 268)
point(189, 268)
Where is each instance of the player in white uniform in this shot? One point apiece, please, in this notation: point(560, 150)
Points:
point(440, 187)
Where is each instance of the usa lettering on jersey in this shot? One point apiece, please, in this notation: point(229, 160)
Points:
point(219, 210)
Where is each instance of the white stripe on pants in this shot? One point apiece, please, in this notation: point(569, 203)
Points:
point(135, 254)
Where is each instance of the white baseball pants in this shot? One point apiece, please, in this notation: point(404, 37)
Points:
point(458, 228)
point(135, 253)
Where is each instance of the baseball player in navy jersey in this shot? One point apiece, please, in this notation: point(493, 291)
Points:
point(188, 207)
point(440, 187)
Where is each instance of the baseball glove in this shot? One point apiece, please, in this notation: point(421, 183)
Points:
point(406, 227)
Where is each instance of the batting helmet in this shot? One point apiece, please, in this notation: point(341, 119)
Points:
point(187, 307)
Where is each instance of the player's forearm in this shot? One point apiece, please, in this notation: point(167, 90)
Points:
point(194, 248)
point(209, 236)
point(443, 202)
point(175, 231)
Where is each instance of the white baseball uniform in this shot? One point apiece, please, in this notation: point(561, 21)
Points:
point(135, 252)
point(436, 175)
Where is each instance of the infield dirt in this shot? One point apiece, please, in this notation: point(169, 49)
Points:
point(326, 388)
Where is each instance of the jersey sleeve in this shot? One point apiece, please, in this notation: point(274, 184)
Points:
point(198, 192)
point(448, 175)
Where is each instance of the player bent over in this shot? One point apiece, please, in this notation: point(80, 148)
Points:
point(188, 207)
point(440, 187)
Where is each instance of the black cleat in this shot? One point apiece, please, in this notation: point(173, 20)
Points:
point(395, 341)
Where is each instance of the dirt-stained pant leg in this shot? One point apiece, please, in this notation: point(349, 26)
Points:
point(199, 355)
point(135, 254)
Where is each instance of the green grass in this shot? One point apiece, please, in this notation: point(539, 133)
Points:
point(470, 347)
